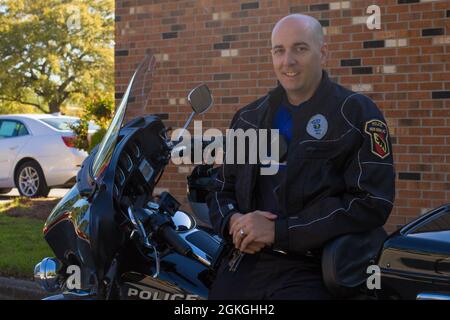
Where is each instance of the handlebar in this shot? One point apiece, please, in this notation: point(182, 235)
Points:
point(162, 225)
point(178, 243)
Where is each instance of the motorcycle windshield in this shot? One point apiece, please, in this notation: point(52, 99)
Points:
point(136, 96)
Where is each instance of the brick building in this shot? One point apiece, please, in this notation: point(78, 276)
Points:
point(404, 67)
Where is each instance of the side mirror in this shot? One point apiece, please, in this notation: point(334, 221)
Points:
point(200, 99)
point(183, 221)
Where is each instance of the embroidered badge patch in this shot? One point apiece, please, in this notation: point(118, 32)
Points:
point(317, 126)
point(378, 132)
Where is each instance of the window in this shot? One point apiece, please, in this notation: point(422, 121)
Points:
point(436, 228)
point(59, 123)
point(65, 123)
point(441, 222)
point(12, 128)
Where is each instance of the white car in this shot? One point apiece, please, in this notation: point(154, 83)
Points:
point(37, 153)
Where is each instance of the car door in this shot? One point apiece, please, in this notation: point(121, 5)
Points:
point(415, 260)
point(13, 136)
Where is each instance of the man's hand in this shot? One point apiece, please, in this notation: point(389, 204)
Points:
point(258, 227)
point(233, 219)
point(253, 247)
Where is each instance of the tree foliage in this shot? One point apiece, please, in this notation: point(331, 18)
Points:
point(100, 110)
point(55, 53)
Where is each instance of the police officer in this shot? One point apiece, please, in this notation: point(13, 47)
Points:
point(337, 176)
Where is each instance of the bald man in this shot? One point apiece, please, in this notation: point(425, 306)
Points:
point(336, 176)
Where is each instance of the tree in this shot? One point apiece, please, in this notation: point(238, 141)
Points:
point(55, 52)
point(7, 107)
point(100, 110)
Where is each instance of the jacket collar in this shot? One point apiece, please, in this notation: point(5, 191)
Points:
point(269, 103)
point(274, 98)
point(276, 93)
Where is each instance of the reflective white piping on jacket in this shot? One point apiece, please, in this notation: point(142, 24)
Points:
point(381, 163)
point(342, 136)
point(259, 106)
point(329, 215)
point(342, 112)
point(360, 171)
point(360, 174)
point(218, 205)
point(224, 154)
point(382, 199)
point(375, 163)
point(217, 179)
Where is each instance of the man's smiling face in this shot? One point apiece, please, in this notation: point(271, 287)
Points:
point(297, 55)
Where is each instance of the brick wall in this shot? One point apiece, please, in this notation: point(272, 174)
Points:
point(404, 68)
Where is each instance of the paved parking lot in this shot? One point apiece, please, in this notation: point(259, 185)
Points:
point(54, 193)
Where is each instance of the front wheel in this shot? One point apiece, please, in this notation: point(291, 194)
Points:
point(30, 180)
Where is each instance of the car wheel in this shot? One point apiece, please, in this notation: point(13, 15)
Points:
point(30, 180)
point(5, 190)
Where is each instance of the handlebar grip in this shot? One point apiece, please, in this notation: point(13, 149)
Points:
point(177, 242)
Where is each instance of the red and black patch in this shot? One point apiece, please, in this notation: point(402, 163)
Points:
point(378, 132)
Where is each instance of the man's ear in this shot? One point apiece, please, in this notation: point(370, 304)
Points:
point(324, 54)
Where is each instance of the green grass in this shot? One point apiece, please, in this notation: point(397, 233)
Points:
point(19, 203)
point(22, 245)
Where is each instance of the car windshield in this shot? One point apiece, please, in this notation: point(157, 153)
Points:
point(135, 97)
point(65, 123)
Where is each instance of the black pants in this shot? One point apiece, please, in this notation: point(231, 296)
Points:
point(270, 276)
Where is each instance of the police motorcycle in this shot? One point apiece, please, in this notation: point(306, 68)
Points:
point(113, 240)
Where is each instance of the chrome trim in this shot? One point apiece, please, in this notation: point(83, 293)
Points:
point(155, 256)
point(152, 206)
point(139, 227)
point(199, 254)
point(183, 219)
point(121, 176)
point(136, 148)
point(130, 162)
point(46, 274)
point(432, 296)
point(78, 293)
point(146, 170)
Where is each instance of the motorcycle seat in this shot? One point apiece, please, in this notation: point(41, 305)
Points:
point(346, 258)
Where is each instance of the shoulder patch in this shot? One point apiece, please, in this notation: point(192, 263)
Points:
point(378, 132)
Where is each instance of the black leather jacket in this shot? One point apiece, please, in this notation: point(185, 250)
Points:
point(338, 183)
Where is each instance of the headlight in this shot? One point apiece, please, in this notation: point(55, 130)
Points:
point(46, 274)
